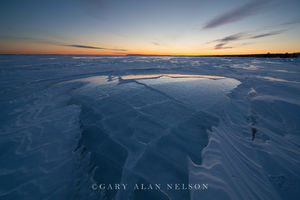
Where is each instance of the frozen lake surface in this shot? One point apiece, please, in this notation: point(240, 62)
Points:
point(68, 123)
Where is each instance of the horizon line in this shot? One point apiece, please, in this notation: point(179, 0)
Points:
point(182, 55)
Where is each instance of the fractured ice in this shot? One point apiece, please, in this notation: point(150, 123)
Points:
point(71, 122)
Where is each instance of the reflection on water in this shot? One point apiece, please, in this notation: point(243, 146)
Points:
point(100, 80)
point(198, 92)
point(143, 76)
point(194, 89)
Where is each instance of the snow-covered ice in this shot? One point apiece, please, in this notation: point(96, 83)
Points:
point(70, 122)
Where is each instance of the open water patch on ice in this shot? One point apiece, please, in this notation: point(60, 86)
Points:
point(146, 128)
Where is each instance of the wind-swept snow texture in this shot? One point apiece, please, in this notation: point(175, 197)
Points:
point(70, 122)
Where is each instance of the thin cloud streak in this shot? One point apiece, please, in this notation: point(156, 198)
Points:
point(292, 22)
point(82, 46)
point(224, 41)
point(233, 37)
point(156, 43)
point(221, 46)
point(44, 41)
point(92, 47)
point(267, 34)
point(249, 9)
point(242, 36)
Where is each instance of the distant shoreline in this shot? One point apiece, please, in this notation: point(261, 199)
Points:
point(267, 55)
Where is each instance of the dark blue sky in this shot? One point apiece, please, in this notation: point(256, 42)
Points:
point(154, 27)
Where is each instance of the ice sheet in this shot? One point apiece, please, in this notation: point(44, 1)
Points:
point(70, 121)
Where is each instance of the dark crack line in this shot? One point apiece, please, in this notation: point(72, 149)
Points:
point(165, 95)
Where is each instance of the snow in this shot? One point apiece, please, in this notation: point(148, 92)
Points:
point(68, 122)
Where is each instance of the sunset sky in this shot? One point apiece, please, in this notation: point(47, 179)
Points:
point(160, 27)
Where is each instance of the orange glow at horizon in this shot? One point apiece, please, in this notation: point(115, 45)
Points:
point(31, 48)
point(154, 53)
